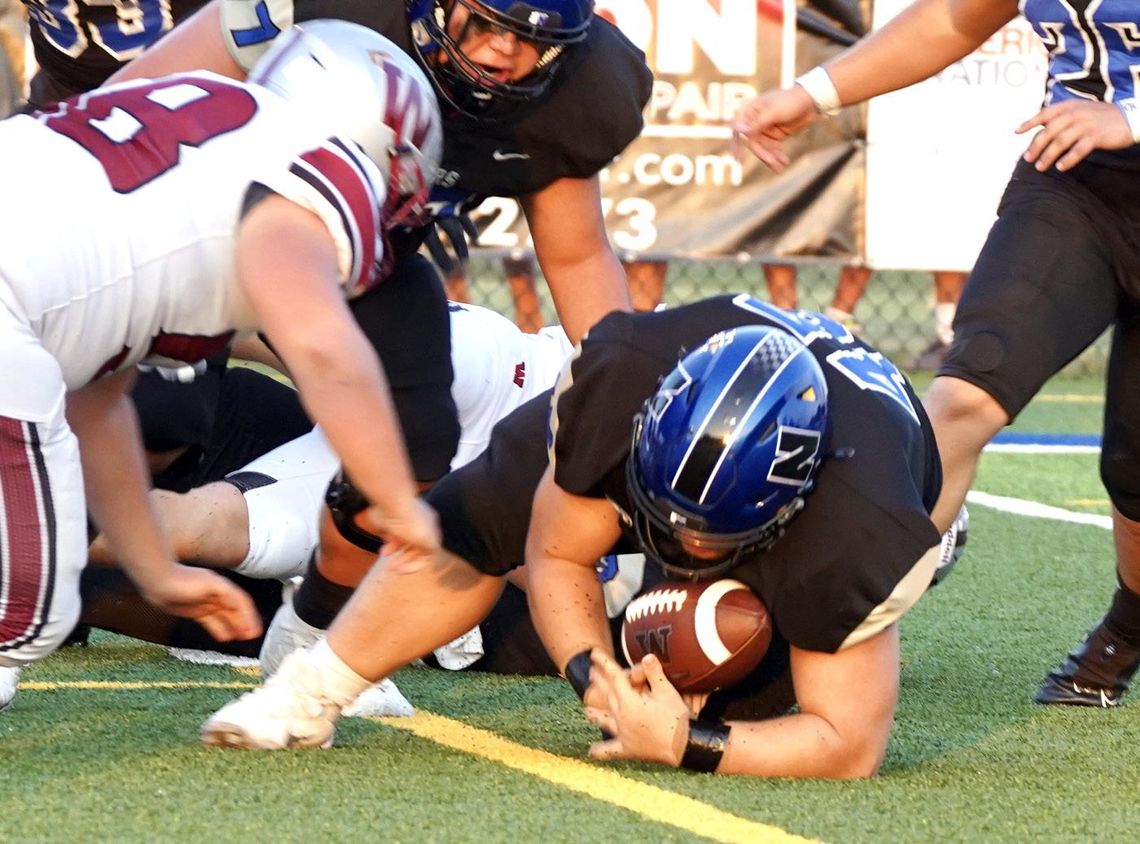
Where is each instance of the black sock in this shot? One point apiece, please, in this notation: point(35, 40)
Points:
point(318, 599)
point(1123, 619)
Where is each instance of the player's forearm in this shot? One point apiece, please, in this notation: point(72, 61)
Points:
point(581, 305)
point(345, 391)
point(195, 44)
point(585, 278)
point(887, 59)
point(116, 480)
point(800, 745)
point(567, 607)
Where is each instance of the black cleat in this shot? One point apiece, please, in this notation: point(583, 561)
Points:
point(1096, 673)
point(78, 637)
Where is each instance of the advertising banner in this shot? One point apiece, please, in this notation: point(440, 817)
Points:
point(678, 189)
point(940, 152)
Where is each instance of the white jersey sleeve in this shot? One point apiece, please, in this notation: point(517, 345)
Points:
point(338, 183)
point(249, 27)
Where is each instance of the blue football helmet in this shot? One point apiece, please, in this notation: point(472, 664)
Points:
point(551, 26)
point(726, 450)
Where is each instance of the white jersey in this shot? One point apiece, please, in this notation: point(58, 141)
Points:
point(497, 368)
point(130, 256)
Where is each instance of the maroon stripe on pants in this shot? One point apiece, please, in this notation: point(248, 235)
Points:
point(23, 567)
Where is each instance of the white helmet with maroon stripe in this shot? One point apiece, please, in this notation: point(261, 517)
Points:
point(370, 91)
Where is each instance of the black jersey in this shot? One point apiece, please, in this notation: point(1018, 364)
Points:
point(592, 112)
point(79, 44)
point(843, 564)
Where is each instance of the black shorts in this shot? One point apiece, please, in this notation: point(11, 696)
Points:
point(1045, 286)
point(254, 414)
point(406, 319)
point(484, 507)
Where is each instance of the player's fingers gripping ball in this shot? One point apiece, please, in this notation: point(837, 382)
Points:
point(707, 635)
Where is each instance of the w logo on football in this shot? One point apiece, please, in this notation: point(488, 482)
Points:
point(655, 641)
point(796, 451)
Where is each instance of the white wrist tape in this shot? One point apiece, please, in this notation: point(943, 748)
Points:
point(1131, 109)
point(817, 82)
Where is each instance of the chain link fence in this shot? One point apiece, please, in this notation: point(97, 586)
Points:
point(896, 313)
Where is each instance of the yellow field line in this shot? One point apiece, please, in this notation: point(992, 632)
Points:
point(114, 685)
point(652, 803)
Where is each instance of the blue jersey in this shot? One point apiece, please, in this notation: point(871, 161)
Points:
point(1094, 47)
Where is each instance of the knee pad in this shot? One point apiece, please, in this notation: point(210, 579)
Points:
point(345, 501)
point(1120, 474)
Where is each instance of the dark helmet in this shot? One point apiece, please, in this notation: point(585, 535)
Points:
point(551, 26)
point(726, 449)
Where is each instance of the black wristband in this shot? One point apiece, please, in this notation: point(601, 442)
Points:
point(707, 740)
point(578, 673)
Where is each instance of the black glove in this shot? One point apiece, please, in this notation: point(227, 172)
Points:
point(458, 227)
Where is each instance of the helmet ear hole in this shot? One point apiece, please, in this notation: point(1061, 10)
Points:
point(727, 469)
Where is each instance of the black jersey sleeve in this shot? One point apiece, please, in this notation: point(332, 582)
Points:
point(596, 110)
point(600, 391)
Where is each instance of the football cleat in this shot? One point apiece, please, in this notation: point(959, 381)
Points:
point(9, 679)
point(286, 633)
point(1096, 673)
point(953, 546)
point(289, 710)
point(381, 700)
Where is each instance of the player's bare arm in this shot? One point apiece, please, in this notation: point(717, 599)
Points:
point(883, 61)
point(1071, 129)
point(288, 266)
point(192, 45)
point(846, 706)
point(570, 241)
point(116, 480)
point(568, 533)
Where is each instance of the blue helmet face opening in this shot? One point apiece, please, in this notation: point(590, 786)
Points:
point(726, 450)
point(550, 27)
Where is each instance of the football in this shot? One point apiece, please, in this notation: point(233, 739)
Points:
point(707, 635)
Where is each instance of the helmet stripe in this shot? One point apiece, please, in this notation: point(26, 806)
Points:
point(715, 437)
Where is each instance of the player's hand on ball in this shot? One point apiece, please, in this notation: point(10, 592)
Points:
point(649, 723)
point(694, 700)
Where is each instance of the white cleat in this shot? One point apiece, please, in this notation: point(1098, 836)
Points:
point(289, 710)
point(286, 633)
point(382, 700)
point(9, 679)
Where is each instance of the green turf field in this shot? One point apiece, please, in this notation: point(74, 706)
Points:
point(101, 746)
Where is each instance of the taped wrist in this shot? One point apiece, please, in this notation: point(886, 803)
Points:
point(578, 673)
point(707, 741)
point(1131, 109)
point(817, 82)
